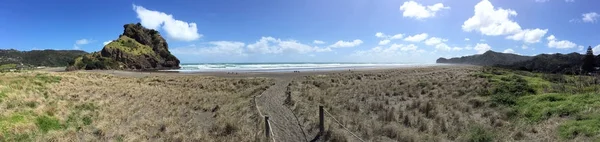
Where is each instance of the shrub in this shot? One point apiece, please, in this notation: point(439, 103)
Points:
point(46, 123)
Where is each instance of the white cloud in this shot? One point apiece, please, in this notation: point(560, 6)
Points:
point(580, 47)
point(457, 48)
point(380, 35)
point(596, 49)
point(176, 29)
point(415, 10)
point(442, 47)
point(591, 17)
point(524, 47)
point(214, 48)
point(106, 42)
point(467, 39)
point(529, 36)
point(541, 1)
point(80, 42)
point(270, 45)
point(318, 42)
point(553, 42)
point(341, 43)
point(384, 42)
point(434, 41)
point(417, 37)
point(391, 52)
point(397, 36)
point(482, 48)
point(491, 21)
point(384, 36)
point(509, 51)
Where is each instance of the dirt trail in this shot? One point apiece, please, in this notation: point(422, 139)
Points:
point(285, 125)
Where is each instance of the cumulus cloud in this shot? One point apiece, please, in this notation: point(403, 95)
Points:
point(176, 29)
point(342, 43)
point(397, 36)
point(467, 39)
point(392, 51)
point(270, 45)
point(81, 42)
point(482, 48)
point(415, 10)
point(596, 49)
point(318, 42)
point(508, 51)
point(553, 42)
point(380, 35)
point(434, 41)
point(384, 42)
point(417, 37)
point(214, 48)
point(442, 47)
point(492, 21)
point(591, 17)
point(384, 36)
point(529, 36)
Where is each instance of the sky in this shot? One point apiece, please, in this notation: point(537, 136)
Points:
point(410, 31)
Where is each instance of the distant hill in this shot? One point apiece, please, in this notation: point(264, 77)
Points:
point(488, 58)
point(138, 48)
point(550, 63)
point(50, 58)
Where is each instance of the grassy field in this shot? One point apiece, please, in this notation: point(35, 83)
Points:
point(451, 103)
point(83, 106)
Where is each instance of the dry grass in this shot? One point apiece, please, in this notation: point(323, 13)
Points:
point(99, 107)
point(426, 104)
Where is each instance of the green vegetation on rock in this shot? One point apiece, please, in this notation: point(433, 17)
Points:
point(137, 48)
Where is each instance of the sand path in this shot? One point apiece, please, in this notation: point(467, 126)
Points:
point(283, 122)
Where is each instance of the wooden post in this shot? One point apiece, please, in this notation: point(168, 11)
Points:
point(267, 129)
point(321, 121)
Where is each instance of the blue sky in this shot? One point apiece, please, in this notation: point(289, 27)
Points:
point(311, 30)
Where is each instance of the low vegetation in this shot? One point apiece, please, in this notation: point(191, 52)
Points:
point(456, 103)
point(84, 106)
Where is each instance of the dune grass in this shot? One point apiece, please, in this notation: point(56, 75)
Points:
point(83, 106)
point(575, 99)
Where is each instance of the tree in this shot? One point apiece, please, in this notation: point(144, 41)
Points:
point(588, 60)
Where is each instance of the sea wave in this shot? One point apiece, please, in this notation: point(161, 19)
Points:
point(222, 67)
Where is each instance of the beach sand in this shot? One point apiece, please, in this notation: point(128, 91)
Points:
point(436, 103)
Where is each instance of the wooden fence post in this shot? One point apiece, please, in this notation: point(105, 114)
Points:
point(321, 121)
point(267, 129)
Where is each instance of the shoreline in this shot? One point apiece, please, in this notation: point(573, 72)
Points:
point(254, 74)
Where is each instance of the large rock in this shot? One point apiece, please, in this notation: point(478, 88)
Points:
point(137, 48)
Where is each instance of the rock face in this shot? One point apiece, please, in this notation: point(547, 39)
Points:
point(137, 48)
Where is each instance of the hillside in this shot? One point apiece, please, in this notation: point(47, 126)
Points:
point(552, 63)
point(548, 63)
point(51, 58)
point(137, 48)
point(488, 58)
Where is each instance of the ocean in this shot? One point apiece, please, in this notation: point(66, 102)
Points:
point(284, 67)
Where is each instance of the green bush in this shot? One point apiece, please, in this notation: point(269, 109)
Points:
point(46, 123)
point(586, 127)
